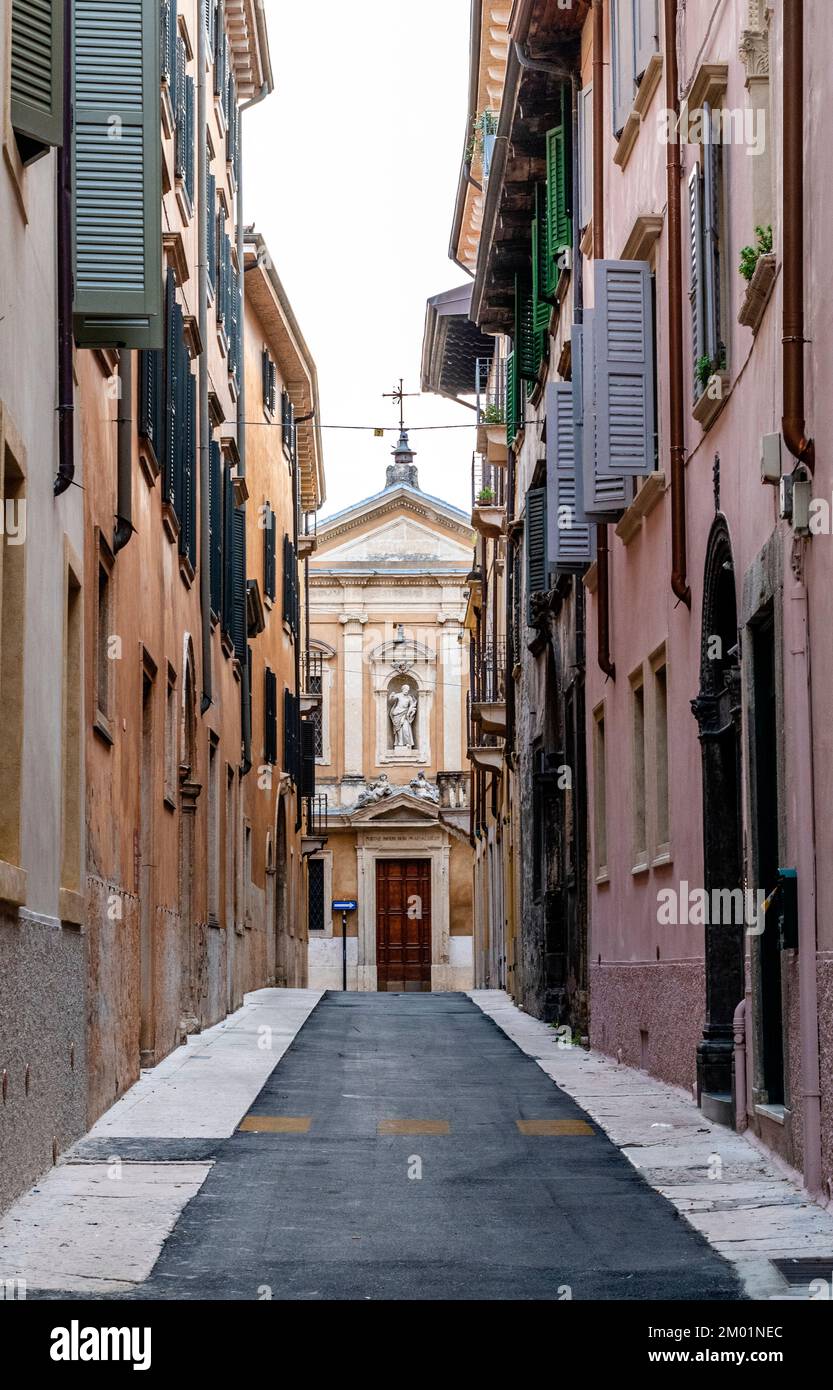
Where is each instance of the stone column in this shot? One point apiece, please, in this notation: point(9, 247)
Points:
point(452, 678)
point(353, 686)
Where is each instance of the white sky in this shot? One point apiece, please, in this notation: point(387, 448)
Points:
point(351, 170)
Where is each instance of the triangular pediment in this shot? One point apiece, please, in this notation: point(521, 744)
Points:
point(402, 807)
point(398, 540)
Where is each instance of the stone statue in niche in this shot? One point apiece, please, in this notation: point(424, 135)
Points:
point(402, 712)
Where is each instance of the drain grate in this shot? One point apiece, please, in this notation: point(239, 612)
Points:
point(801, 1271)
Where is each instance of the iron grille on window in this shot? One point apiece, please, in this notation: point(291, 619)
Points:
point(315, 889)
point(316, 686)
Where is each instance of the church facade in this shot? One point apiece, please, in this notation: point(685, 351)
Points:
point(387, 602)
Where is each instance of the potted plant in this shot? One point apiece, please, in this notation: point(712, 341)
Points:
point(750, 255)
point(485, 497)
point(757, 266)
point(493, 415)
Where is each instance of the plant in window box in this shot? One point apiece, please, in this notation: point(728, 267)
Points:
point(494, 415)
point(712, 379)
point(750, 255)
point(757, 266)
point(485, 497)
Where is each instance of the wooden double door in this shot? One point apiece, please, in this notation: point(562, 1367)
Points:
point(403, 924)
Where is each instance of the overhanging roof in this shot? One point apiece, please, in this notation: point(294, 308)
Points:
point(452, 344)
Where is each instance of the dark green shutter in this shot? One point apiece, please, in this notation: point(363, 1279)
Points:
point(536, 544)
point(37, 74)
point(527, 356)
point(211, 229)
point(215, 525)
point(173, 338)
point(239, 624)
point(151, 401)
point(117, 180)
point(228, 553)
point(544, 267)
point(512, 420)
point(307, 760)
point(559, 225)
point(188, 501)
point(270, 717)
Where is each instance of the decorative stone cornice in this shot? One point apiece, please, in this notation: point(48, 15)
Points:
point(753, 49)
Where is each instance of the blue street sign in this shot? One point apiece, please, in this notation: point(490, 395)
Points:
point(345, 905)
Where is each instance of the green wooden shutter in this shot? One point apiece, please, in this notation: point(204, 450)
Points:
point(239, 624)
point(544, 268)
point(215, 526)
point(559, 223)
point(173, 338)
point(536, 544)
point(228, 553)
point(511, 409)
point(117, 180)
point(37, 75)
point(527, 356)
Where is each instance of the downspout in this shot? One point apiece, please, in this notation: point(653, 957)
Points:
point(124, 454)
point(602, 554)
point(205, 428)
point(797, 642)
point(66, 385)
point(246, 717)
point(739, 1027)
point(679, 582)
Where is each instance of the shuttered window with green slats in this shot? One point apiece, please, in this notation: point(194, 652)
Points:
point(527, 339)
point(37, 66)
point(117, 180)
point(512, 412)
point(559, 220)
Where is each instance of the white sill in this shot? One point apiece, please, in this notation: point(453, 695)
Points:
point(603, 876)
point(642, 867)
point(772, 1112)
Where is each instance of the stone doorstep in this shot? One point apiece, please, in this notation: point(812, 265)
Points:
point(754, 1214)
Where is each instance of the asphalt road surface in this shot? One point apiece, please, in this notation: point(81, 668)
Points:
point(405, 1148)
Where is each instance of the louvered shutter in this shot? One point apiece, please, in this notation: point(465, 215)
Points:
point(37, 74)
point(228, 553)
point(215, 525)
point(622, 61)
point(179, 109)
point(188, 501)
point(544, 268)
point(307, 778)
point(585, 127)
point(269, 554)
point(173, 338)
point(264, 377)
point(537, 577)
point(211, 229)
point(711, 237)
point(117, 179)
point(695, 293)
point(512, 413)
point(569, 544)
point(603, 496)
point(270, 716)
point(623, 352)
point(527, 357)
point(646, 34)
point(239, 595)
point(219, 50)
point(167, 53)
point(273, 387)
point(189, 137)
point(151, 412)
point(559, 226)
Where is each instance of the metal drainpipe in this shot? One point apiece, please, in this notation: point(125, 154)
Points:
point(679, 583)
point(66, 385)
point(793, 422)
point(797, 636)
point(205, 430)
point(602, 554)
point(124, 453)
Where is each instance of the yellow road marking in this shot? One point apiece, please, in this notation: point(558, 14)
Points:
point(542, 1127)
point(276, 1124)
point(414, 1127)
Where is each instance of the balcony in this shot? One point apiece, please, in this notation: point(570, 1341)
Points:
point(308, 538)
point(454, 790)
point(489, 687)
point(312, 682)
point(488, 498)
point(490, 381)
point(484, 750)
point(314, 824)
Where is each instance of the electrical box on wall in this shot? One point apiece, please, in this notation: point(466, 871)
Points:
point(771, 458)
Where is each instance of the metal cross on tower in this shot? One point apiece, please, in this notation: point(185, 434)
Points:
point(399, 396)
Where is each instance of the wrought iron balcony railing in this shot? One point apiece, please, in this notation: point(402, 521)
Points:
point(315, 815)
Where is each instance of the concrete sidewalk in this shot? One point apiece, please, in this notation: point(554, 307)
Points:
point(727, 1187)
point(96, 1223)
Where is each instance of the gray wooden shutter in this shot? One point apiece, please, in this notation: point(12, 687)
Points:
point(569, 541)
point(585, 145)
point(537, 569)
point(623, 353)
point(711, 237)
point(695, 231)
point(117, 175)
point(37, 74)
point(603, 495)
point(646, 34)
point(622, 62)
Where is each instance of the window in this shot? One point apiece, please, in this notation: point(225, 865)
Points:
point(230, 842)
point(184, 143)
point(270, 717)
point(537, 579)
point(269, 552)
point(12, 628)
point(104, 653)
point(37, 66)
point(663, 825)
point(179, 453)
point(599, 795)
point(171, 758)
point(247, 874)
point(288, 423)
point(585, 158)
point(634, 36)
point(539, 798)
point(639, 808)
point(215, 525)
point(270, 384)
point(291, 735)
point(291, 599)
point(316, 687)
point(705, 191)
point(315, 892)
